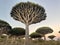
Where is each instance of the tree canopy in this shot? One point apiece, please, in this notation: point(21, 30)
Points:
point(35, 35)
point(3, 23)
point(4, 27)
point(17, 31)
point(28, 12)
point(51, 36)
point(44, 30)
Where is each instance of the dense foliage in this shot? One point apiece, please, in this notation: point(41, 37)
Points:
point(17, 31)
point(44, 30)
point(4, 27)
point(51, 37)
point(3, 23)
point(35, 35)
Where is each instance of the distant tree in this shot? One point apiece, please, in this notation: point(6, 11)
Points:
point(51, 37)
point(28, 13)
point(59, 31)
point(35, 35)
point(17, 32)
point(4, 27)
point(43, 31)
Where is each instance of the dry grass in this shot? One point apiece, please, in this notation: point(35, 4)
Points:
point(5, 41)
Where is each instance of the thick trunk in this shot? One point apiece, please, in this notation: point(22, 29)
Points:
point(44, 37)
point(27, 35)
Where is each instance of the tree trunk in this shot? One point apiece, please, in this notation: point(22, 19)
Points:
point(27, 35)
point(44, 37)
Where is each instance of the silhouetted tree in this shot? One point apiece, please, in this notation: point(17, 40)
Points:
point(59, 31)
point(51, 37)
point(28, 13)
point(43, 31)
point(4, 27)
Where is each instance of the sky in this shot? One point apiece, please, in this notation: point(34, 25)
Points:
point(52, 8)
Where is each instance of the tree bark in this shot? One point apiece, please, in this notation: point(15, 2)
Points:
point(27, 35)
point(44, 37)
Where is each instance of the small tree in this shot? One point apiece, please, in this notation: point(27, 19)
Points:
point(28, 13)
point(17, 32)
point(35, 35)
point(4, 27)
point(43, 31)
point(51, 37)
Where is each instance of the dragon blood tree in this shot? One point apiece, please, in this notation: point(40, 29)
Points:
point(44, 30)
point(28, 13)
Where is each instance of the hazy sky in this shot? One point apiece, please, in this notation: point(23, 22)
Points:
point(52, 8)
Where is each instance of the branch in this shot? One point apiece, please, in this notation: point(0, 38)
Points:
point(19, 16)
point(30, 14)
point(23, 15)
point(35, 14)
